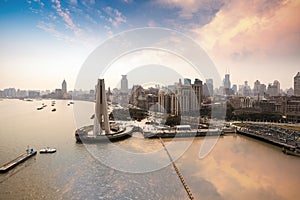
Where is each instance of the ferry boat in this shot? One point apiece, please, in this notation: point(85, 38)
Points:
point(179, 131)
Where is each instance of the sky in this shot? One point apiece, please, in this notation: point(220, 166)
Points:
point(44, 42)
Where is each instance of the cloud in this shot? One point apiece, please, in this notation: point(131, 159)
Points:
point(242, 30)
point(152, 23)
point(115, 16)
point(127, 1)
point(65, 15)
point(189, 8)
point(50, 28)
point(74, 2)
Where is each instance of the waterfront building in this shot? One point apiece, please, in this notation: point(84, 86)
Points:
point(10, 92)
point(22, 93)
point(293, 109)
point(58, 93)
point(64, 88)
point(33, 94)
point(297, 84)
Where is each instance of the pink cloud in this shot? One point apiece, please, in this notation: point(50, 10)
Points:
point(65, 15)
point(241, 30)
point(188, 8)
point(115, 16)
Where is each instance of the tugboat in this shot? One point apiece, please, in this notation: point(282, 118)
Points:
point(48, 150)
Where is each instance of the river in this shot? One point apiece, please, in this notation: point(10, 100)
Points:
point(237, 167)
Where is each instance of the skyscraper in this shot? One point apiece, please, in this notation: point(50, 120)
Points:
point(210, 86)
point(277, 85)
point(227, 83)
point(256, 88)
point(124, 84)
point(274, 89)
point(64, 87)
point(297, 84)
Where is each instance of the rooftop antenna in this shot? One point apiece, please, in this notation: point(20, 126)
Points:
point(227, 70)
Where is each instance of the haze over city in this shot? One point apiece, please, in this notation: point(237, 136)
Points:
point(44, 42)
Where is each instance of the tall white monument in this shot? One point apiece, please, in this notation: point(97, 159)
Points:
point(101, 121)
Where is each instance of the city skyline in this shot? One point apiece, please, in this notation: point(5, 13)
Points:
point(234, 89)
point(257, 40)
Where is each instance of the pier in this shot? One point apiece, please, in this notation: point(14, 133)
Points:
point(8, 166)
point(272, 135)
point(186, 187)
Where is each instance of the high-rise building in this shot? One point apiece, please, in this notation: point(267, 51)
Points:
point(187, 81)
point(198, 90)
point(277, 85)
point(124, 84)
point(210, 86)
point(234, 89)
point(64, 87)
point(297, 84)
point(256, 88)
point(227, 83)
point(274, 89)
point(246, 90)
point(262, 89)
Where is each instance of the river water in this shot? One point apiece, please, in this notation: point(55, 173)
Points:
point(236, 168)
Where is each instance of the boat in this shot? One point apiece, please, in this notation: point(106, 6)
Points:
point(8, 166)
point(48, 150)
point(53, 110)
point(178, 131)
point(291, 151)
point(40, 108)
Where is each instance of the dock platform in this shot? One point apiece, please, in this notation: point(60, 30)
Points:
point(8, 166)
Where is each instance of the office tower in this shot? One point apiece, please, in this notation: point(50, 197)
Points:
point(64, 87)
point(124, 83)
point(297, 84)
